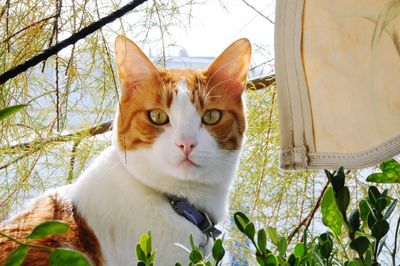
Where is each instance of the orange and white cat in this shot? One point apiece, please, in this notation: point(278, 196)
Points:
point(176, 132)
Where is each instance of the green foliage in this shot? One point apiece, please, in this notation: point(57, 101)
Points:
point(67, 257)
point(331, 215)
point(390, 173)
point(366, 240)
point(48, 228)
point(8, 111)
point(58, 256)
point(144, 252)
point(17, 257)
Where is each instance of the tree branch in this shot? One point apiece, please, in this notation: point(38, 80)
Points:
point(11, 73)
point(307, 221)
point(93, 131)
point(258, 12)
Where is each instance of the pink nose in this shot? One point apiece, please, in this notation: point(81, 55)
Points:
point(186, 145)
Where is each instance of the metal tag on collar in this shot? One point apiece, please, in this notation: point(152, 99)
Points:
point(211, 230)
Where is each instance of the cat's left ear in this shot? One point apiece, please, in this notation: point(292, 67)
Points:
point(229, 70)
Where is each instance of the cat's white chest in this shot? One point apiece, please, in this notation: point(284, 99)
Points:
point(119, 208)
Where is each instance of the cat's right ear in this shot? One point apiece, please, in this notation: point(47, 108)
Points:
point(133, 66)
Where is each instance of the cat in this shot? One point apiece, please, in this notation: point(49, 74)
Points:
point(177, 136)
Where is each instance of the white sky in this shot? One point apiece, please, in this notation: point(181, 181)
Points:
point(214, 28)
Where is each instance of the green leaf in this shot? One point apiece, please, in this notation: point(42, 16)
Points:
point(390, 209)
point(262, 240)
point(390, 173)
point(380, 229)
point(17, 257)
point(8, 111)
point(250, 230)
point(282, 245)
point(371, 219)
point(273, 235)
point(357, 262)
point(364, 210)
point(325, 245)
point(389, 165)
point(49, 228)
point(373, 194)
point(343, 199)
point(140, 253)
point(331, 215)
point(144, 241)
point(354, 220)
point(195, 256)
point(325, 249)
point(360, 245)
point(380, 204)
point(271, 260)
point(240, 220)
point(338, 180)
point(299, 250)
point(218, 251)
point(192, 244)
point(67, 257)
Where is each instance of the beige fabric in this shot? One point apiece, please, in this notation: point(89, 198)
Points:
point(338, 81)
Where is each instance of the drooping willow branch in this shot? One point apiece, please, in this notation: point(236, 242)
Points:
point(254, 84)
point(13, 72)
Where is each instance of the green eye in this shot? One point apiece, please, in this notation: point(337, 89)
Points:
point(158, 117)
point(211, 117)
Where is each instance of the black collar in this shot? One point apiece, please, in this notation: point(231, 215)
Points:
point(196, 217)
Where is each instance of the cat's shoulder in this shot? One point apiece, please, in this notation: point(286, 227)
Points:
point(50, 206)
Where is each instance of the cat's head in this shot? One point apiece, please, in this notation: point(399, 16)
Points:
point(180, 126)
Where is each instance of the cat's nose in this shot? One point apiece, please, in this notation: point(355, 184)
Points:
point(186, 145)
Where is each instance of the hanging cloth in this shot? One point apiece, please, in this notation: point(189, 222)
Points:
point(338, 80)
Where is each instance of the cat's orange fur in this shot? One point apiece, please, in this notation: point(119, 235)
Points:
point(80, 237)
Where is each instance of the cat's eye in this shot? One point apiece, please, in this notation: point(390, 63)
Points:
point(158, 117)
point(211, 117)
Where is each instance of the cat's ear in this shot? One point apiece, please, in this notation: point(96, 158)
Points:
point(229, 70)
point(132, 64)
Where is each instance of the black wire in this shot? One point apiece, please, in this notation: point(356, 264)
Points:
point(11, 73)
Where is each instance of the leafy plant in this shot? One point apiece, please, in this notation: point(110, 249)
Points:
point(144, 252)
point(390, 173)
point(366, 239)
point(58, 256)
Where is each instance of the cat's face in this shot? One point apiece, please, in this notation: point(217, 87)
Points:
point(181, 124)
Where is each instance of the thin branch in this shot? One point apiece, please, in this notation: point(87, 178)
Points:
point(93, 131)
point(396, 234)
point(161, 32)
point(27, 27)
point(11, 73)
point(307, 221)
point(5, 7)
point(25, 243)
point(72, 162)
point(261, 82)
point(54, 31)
point(258, 12)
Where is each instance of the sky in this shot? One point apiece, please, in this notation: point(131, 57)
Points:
point(221, 26)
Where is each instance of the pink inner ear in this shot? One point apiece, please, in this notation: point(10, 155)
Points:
point(229, 70)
